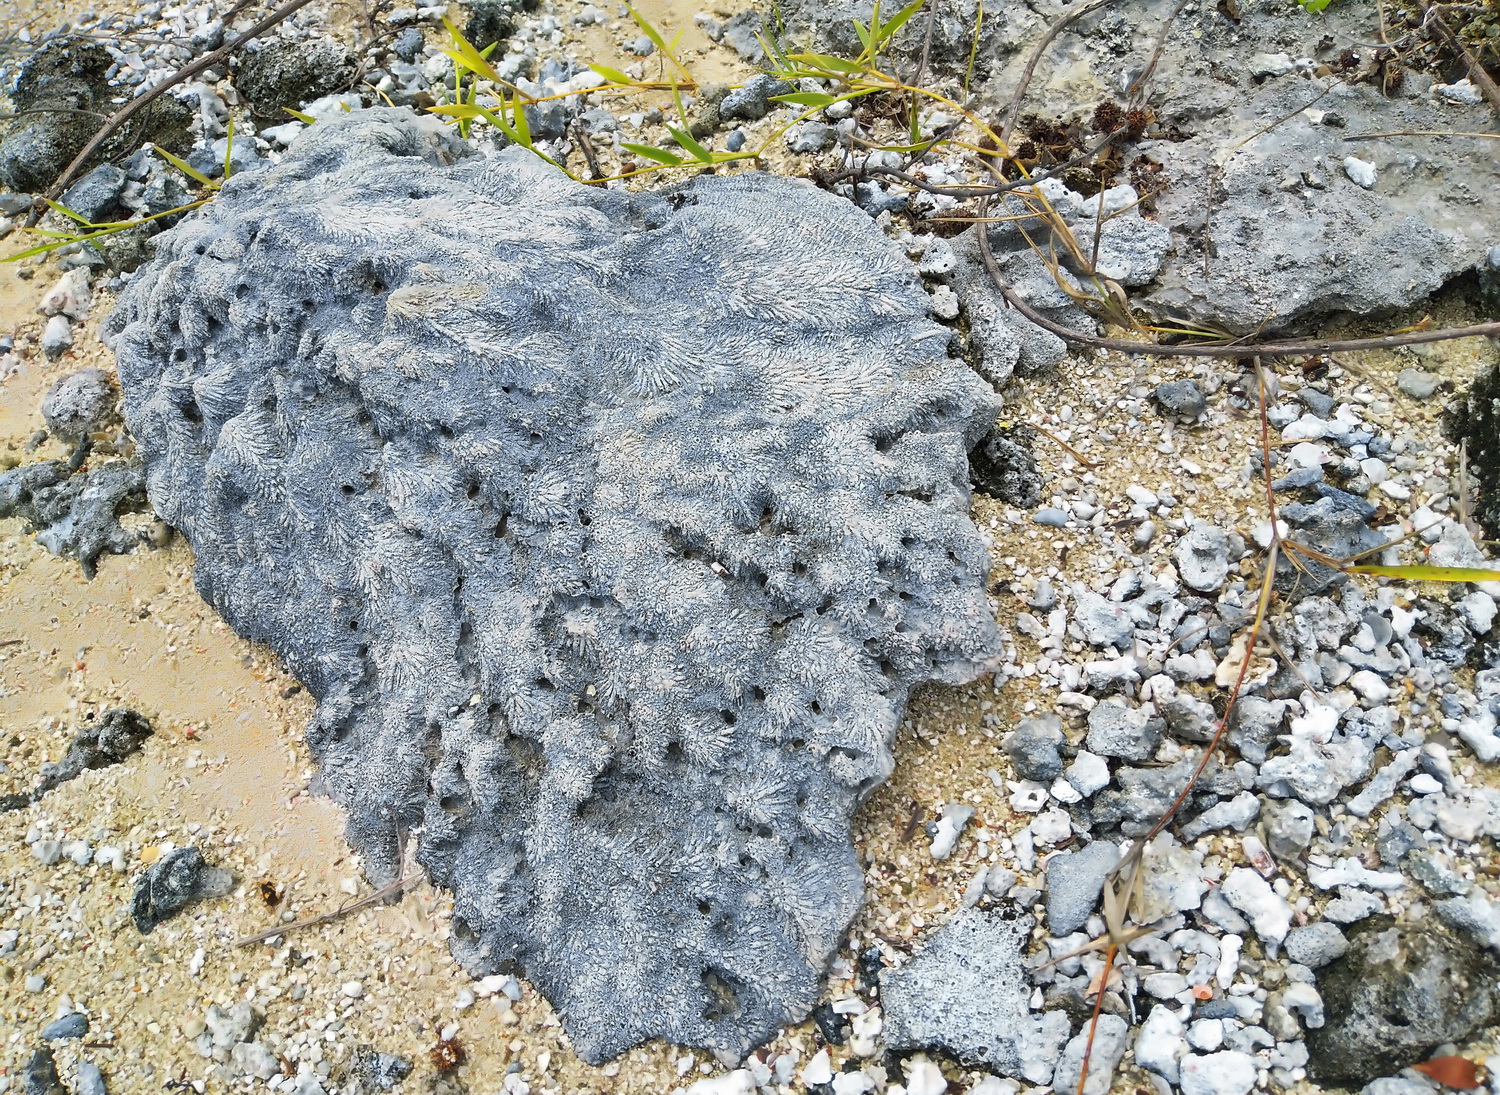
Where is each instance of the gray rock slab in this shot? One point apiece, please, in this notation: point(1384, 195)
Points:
point(1074, 882)
point(610, 532)
point(964, 992)
point(1104, 1057)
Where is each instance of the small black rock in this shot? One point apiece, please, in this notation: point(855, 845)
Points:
point(39, 1077)
point(171, 884)
point(111, 738)
point(1181, 399)
point(1398, 993)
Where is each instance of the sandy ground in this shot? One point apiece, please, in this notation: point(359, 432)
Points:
point(227, 769)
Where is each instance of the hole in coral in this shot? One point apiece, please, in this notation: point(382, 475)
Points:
point(723, 1000)
point(191, 412)
point(347, 489)
point(503, 527)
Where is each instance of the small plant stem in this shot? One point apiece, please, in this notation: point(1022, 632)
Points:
point(1241, 349)
point(1088, 1048)
point(136, 105)
point(1487, 87)
point(1036, 55)
point(1140, 85)
point(339, 913)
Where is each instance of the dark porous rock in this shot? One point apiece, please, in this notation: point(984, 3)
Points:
point(1473, 419)
point(610, 551)
point(493, 21)
point(754, 99)
point(1004, 467)
point(97, 195)
point(284, 73)
point(78, 404)
point(108, 740)
point(172, 883)
point(1395, 995)
point(1181, 399)
point(76, 514)
point(964, 992)
point(39, 1075)
point(59, 99)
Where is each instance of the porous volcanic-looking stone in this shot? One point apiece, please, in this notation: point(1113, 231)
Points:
point(610, 532)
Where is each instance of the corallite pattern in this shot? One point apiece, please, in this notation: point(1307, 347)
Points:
point(609, 531)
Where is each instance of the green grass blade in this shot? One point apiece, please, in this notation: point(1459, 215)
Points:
point(824, 62)
point(815, 99)
point(305, 119)
point(464, 53)
point(59, 207)
point(522, 126)
point(671, 159)
point(1430, 573)
point(899, 20)
point(613, 75)
point(684, 138)
point(186, 168)
point(229, 149)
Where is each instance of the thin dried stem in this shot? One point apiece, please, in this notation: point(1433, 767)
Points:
point(339, 913)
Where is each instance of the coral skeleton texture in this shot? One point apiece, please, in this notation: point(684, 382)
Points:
point(610, 531)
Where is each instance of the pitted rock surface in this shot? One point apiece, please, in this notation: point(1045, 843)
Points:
point(610, 532)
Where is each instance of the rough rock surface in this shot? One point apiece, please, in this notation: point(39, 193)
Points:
point(964, 992)
point(76, 513)
point(610, 531)
point(1254, 139)
point(58, 98)
point(284, 74)
point(1397, 993)
point(1253, 105)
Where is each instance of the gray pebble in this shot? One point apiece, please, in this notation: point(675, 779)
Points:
point(1203, 558)
point(1417, 384)
point(810, 137)
point(1181, 399)
point(1237, 814)
point(39, 1077)
point(57, 337)
point(752, 101)
point(1289, 828)
point(74, 1025)
point(1050, 516)
point(1124, 732)
point(1034, 748)
point(78, 403)
point(1103, 622)
point(1107, 1049)
point(735, 141)
point(88, 1080)
point(173, 882)
point(1317, 402)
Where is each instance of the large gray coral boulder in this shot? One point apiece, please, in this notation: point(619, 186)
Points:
point(610, 532)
